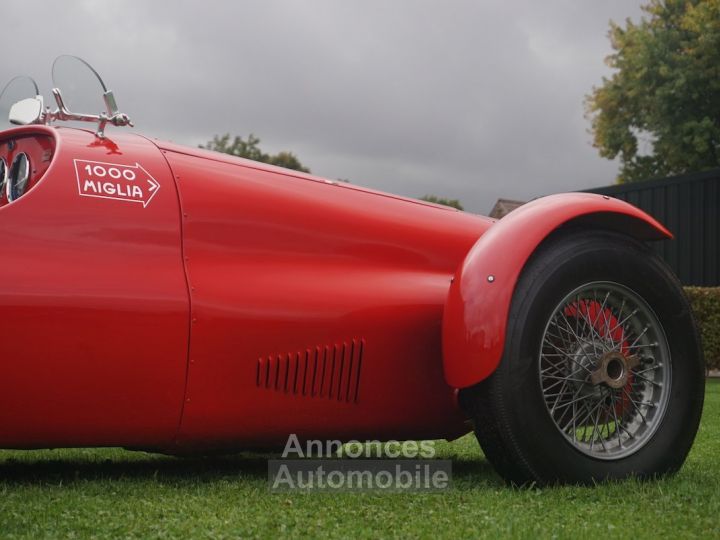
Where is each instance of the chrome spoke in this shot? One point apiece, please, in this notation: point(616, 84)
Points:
point(570, 379)
point(647, 345)
point(583, 340)
point(646, 369)
point(646, 379)
point(617, 422)
point(595, 325)
point(569, 357)
point(637, 338)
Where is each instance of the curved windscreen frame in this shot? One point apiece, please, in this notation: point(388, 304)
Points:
point(82, 89)
point(17, 89)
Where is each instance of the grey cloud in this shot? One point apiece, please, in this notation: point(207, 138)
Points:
point(466, 99)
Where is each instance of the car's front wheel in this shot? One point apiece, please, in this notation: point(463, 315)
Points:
point(602, 375)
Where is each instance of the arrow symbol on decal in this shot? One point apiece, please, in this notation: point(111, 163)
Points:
point(153, 184)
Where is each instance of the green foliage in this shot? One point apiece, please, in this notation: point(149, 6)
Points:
point(440, 200)
point(705, 302)
point(666, 89)
point(250, 149)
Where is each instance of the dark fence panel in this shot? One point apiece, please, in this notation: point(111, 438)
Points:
point(688, 205)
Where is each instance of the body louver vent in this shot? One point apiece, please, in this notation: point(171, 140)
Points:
point(330, 371)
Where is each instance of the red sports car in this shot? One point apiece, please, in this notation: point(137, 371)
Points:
point(160, 297)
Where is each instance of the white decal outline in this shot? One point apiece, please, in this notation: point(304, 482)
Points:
point(151, 191)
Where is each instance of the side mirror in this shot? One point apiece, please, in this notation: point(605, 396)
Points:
point(26, 111)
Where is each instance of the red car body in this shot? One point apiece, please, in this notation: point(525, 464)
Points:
point(162, 297)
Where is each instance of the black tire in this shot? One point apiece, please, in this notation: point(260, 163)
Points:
point(511, 409)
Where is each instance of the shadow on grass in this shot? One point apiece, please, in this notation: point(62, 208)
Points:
point(158, 468)
point(165, 469)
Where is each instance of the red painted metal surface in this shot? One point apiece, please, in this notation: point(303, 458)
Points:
point(287, 271)
point(478, 303)
point(162, 297)
point(93, 304)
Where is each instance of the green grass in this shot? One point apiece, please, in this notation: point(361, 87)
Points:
point(112, 493)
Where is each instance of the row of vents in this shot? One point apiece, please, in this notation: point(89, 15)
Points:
point(330, 371)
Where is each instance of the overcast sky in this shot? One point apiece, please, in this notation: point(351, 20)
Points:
point(473, 100)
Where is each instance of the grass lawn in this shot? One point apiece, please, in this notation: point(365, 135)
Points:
point(112, 493)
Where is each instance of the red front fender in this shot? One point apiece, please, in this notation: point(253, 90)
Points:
point(478, 303)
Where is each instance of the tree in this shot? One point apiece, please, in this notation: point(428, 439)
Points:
point(440, 200)
point(249, 149)
point(666, 90)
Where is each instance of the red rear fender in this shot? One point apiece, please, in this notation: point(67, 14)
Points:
point(478, 302)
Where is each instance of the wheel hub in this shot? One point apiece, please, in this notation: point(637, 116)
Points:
point(613, 369)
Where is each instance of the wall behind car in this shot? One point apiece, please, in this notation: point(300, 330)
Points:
point(688, 205)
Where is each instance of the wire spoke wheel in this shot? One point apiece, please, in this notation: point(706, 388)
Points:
point(605, 370)
point(602, 372)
